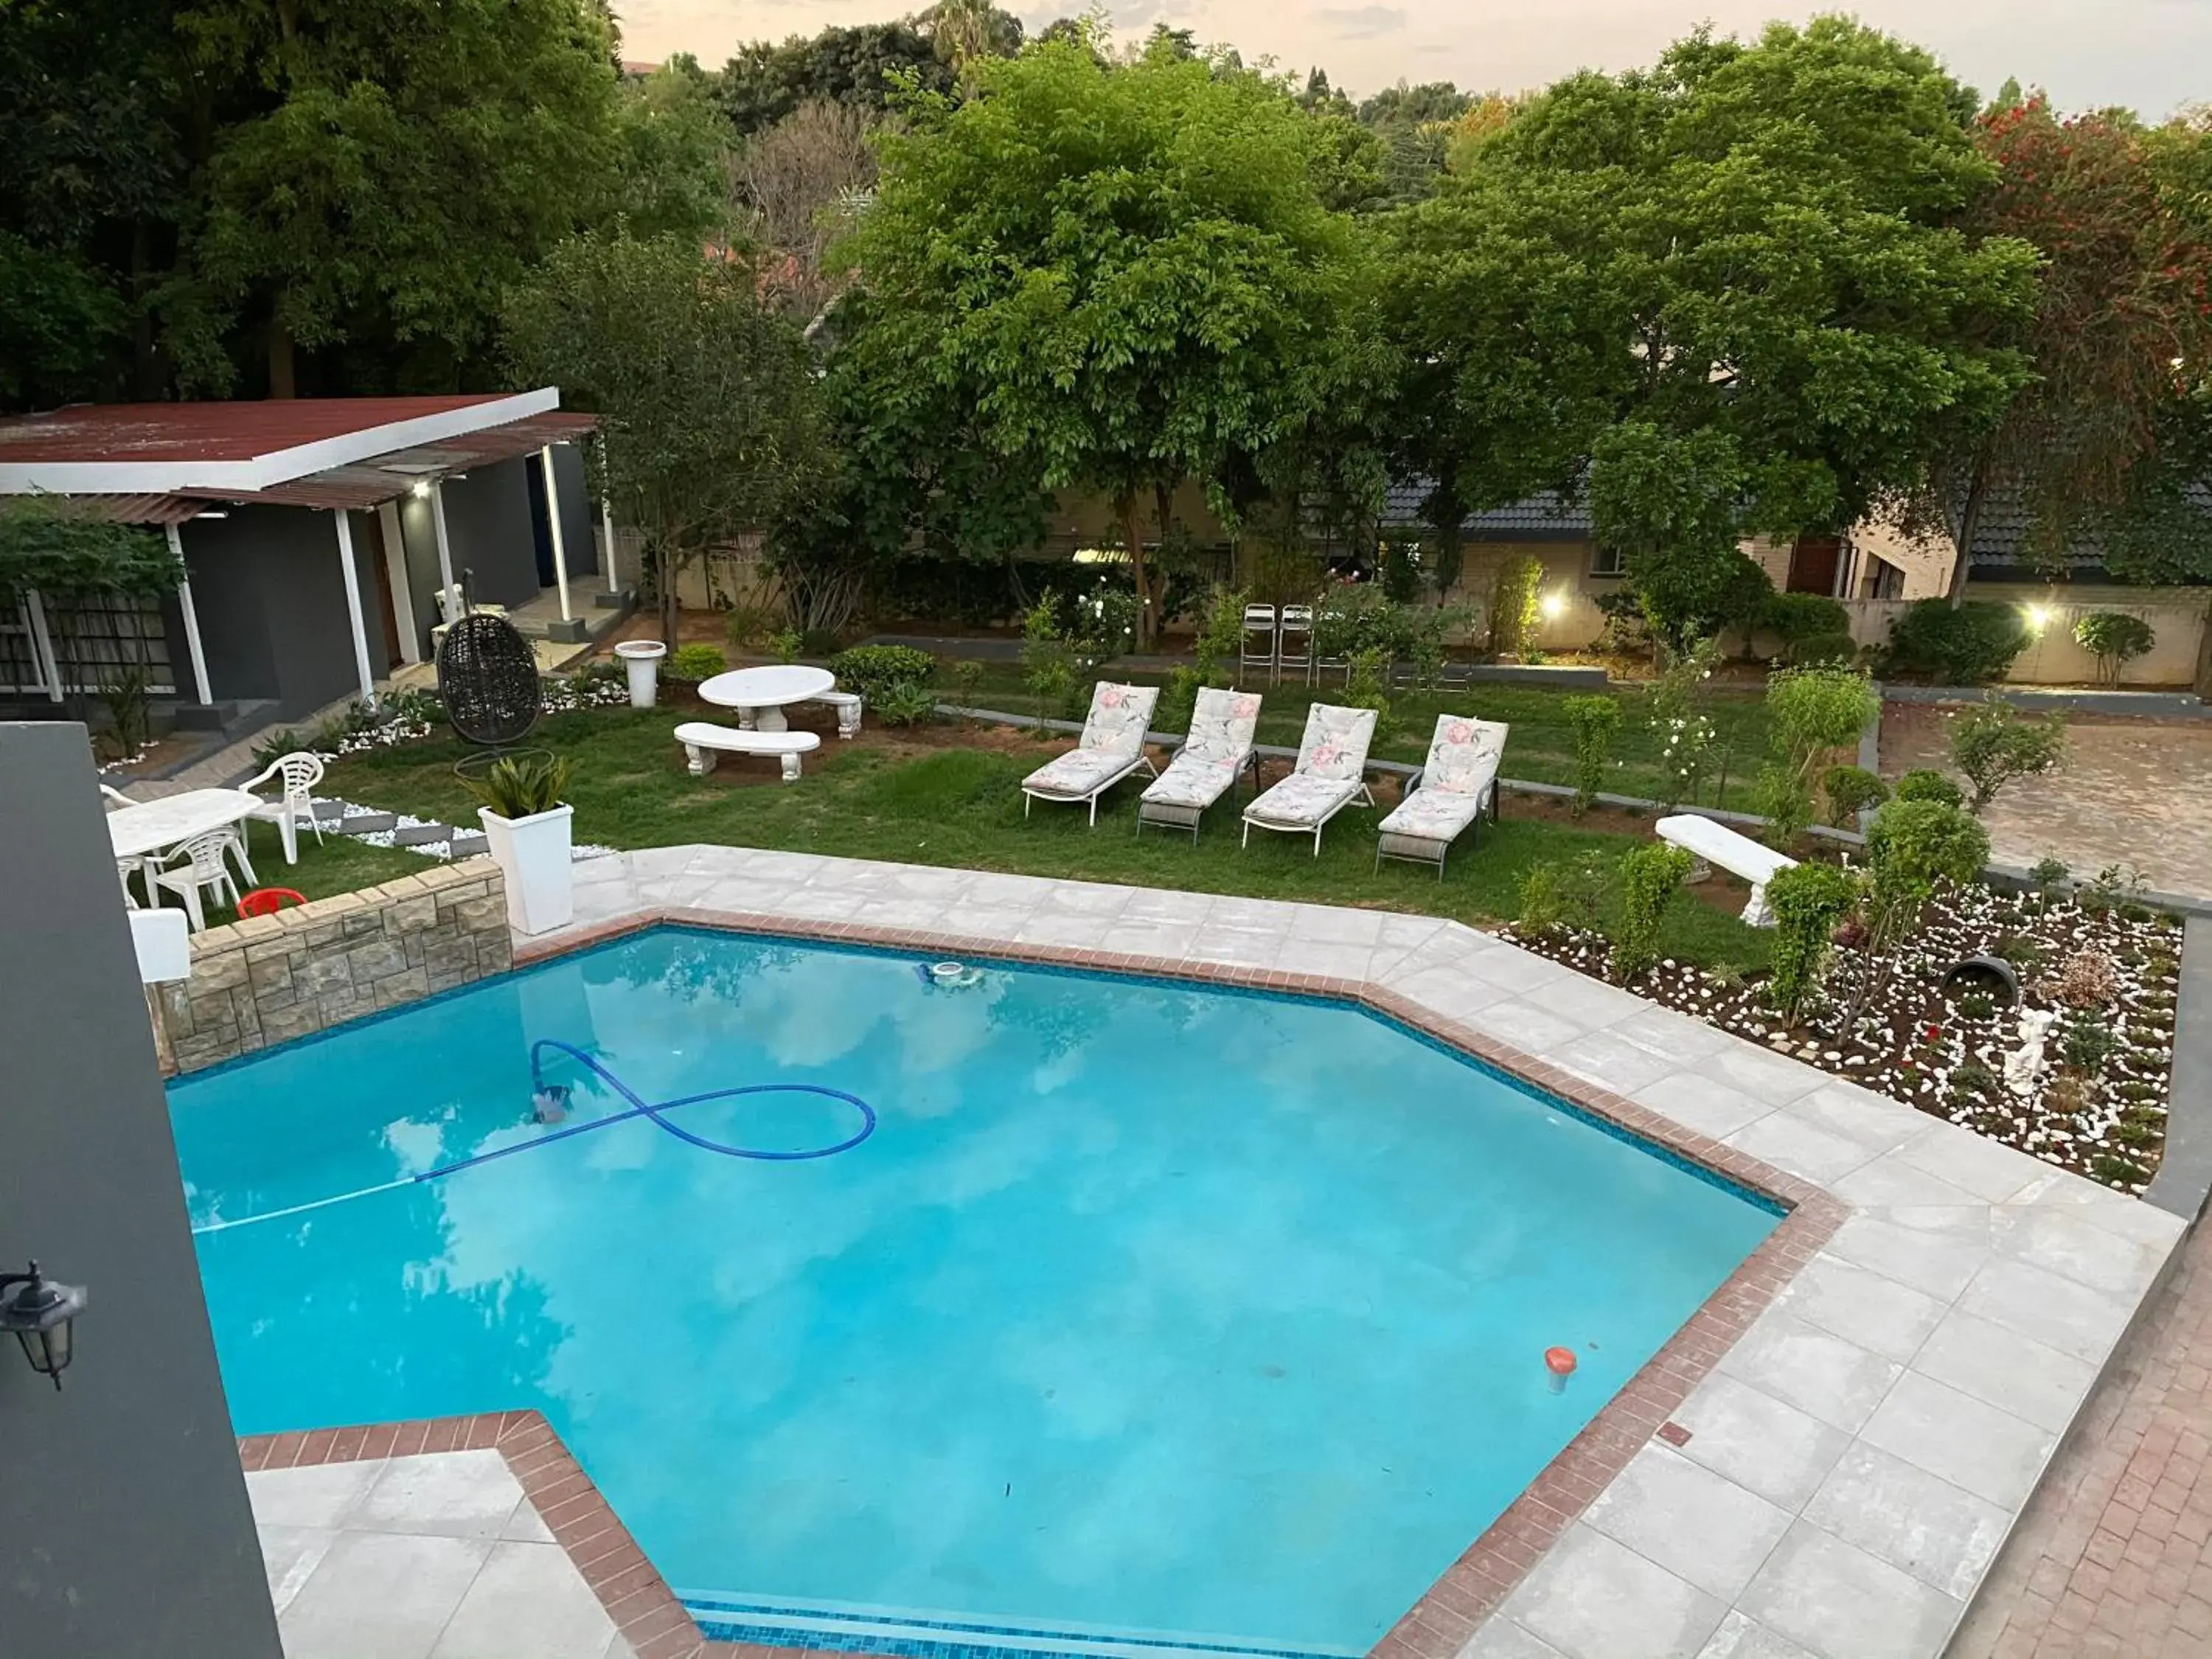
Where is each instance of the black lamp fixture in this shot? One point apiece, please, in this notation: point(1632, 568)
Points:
point(41, 1314)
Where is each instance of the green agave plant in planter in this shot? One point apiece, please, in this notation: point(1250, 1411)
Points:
point(528, 827)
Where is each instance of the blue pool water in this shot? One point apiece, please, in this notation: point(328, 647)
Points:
point(1145, 1308)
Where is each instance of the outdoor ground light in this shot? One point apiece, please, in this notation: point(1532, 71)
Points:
point(1553, 605)
point(2039, 616)
point(41, 1314)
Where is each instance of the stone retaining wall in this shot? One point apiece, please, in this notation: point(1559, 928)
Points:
point(271, 978)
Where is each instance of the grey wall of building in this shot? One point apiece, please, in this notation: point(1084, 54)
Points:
point(580, 546)
point(271, 599)
point(488, 524)
point(124, 1524)
point(419, 532)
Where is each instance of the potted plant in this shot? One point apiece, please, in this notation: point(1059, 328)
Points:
point(527, 825)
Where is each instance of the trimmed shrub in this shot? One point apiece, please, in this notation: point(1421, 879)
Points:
point(695, 663)
point(1967, 645)
point(902, 702)
point(1911, 845)
point(1925, 783)
point(1850, 790)
point(1822, 650)
point(1795, 617)
point(2115, 639)
point(1995, 744)
point(1807, 900)
point(1650, 875)
point(1813, 710)
point(1563, 894)
point(872, 670)
point(1513, 603)
point(1594, 721)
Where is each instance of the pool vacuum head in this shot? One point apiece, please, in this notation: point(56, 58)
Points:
point(550, 1103)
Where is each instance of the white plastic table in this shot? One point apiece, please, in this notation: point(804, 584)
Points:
point(145, 830)
point(759, 694)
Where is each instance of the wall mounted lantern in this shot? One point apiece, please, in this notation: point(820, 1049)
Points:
point(41, 1314)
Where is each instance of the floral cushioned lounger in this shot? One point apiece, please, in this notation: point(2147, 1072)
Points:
point(1111, 748)
point(1459, 780)
point(1219, 746)
point(1330, 774)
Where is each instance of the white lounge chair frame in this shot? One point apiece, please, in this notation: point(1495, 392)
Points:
point(1294, 656)
point(1356, 787)
point(1144, 699)
point(1258, 624)
point(1412, 848)
point(1208, 711)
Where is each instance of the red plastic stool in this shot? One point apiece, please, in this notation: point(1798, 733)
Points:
point(263, 900)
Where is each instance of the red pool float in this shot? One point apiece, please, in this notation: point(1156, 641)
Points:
point(1558, 1361)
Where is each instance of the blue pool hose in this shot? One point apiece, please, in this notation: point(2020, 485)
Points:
point(638, 1108)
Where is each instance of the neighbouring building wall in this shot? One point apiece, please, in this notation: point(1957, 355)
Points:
point(2176, 615)
point(271, 978)
point(1568, 617)
point(271, 599)
point(124, 1525)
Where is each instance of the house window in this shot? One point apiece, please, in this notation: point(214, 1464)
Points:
point(1608, 562)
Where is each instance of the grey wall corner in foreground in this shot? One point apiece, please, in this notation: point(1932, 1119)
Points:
point(124, 1525)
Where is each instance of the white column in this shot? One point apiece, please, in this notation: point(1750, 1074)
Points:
point(444, 548)
point(191, 618)
point(42, 644)
point(353, 606)
point(613, 583)
point(403, 586)
point(553, 518)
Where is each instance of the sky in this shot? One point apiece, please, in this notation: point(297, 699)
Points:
point(2154, 55)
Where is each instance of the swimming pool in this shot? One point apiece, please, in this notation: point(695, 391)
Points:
point(1150, 1316)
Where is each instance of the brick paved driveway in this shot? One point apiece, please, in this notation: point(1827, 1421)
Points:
point(2114, 1555)
point(2129, 792)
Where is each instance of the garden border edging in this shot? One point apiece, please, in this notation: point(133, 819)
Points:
point(2183, 1178)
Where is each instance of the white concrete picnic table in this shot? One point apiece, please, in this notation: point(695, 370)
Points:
point(759, 694)
point(148, 829)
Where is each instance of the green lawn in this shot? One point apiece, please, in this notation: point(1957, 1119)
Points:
point(961, 806)
point(1541, 749)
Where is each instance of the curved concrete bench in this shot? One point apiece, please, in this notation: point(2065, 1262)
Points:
point(703, 740)
point(1739, 855)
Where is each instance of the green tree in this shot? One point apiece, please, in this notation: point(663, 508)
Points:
point(2119, 332)
point(869, 66)
point(1994, 743)
point(402, 176)
point(1720, 297)
point(1125, 275)
point(75, 561)
point(1812, 712)
point(706, 398)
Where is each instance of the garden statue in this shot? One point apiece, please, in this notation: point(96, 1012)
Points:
point(2025, 1064)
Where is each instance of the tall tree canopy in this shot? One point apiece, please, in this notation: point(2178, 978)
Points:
point(1733, 273)
point(214, 196)
point(2120, 336)
point(1124, 274)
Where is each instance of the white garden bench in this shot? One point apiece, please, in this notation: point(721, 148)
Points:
point(1739, 855)
point(703, 740)
point(848, 705)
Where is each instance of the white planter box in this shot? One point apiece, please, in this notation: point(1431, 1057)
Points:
point(641, 659)
point(533, 854)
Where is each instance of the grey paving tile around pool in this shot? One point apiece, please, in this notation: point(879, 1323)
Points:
point(1846, 1430)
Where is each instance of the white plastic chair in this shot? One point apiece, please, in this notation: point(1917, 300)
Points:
point(206, 869)
point(300, 772)
point(1294, 644)
point(1258, 625)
